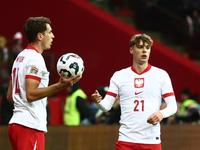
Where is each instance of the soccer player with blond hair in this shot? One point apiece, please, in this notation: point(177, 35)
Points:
point(141, 88)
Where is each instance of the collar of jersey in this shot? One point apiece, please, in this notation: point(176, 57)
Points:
point(32, 48)
point(147, 69)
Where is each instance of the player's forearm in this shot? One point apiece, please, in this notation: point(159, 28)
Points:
point(171, 107)
point(40, 93)
point(107, 103)
point(9, 93)
point(10, 99)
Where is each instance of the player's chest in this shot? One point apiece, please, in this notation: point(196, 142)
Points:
point(140, 85)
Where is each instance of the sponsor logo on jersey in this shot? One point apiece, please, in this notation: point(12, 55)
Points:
point(34, 70)
point(139, 82)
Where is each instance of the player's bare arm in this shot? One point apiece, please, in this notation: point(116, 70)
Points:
point(9, 93)
point(96, 97)
point(155, 118)
point(33, 93)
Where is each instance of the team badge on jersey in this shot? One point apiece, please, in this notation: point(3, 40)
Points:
point(34, 70)
point(139, 82)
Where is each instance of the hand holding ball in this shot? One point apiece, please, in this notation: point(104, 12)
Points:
point(71, 64)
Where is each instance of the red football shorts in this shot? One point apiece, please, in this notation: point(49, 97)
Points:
point(24, 138)
point(120, 145)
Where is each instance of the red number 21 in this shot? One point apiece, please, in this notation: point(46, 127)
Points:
point(137, 102)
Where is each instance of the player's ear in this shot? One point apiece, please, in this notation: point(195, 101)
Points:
point(131, 50)
point(39, 36)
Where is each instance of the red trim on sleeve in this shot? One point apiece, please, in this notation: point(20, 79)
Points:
point(168, 94)
point(111, 94)
point(33, 77)
point(10, 77)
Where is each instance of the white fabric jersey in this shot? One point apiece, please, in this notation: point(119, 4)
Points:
point(140, 96)
point(29, 64)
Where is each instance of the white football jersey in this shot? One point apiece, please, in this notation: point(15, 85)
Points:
point(140, 96)
point(29, 64)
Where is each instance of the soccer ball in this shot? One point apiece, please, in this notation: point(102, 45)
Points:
point(71, 64)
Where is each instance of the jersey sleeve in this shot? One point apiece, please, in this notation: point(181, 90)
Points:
point(108, 101)
point(35, 69)
point(168, 95)
point(171, 107)
point(167, 89)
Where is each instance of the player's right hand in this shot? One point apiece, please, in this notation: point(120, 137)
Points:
point(69, 81)
point(96, 97)
point(155, 118)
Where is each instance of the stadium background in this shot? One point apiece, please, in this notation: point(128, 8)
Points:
point(103, 43)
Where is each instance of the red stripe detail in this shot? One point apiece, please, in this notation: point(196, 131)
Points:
point(168, 94)
point(33, 77)
point(31, 47)
point(111, 94)
point(146, 70)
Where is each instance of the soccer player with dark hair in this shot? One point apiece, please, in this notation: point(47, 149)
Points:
point(28, 87)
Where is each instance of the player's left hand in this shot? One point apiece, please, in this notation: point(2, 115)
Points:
point(155, 118)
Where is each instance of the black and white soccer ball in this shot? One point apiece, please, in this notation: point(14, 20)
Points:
point(71, 64)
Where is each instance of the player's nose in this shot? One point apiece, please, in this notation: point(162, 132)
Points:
point(53, 36)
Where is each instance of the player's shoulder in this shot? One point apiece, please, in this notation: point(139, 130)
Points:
point(30, 53)
point(158, 69)
point(30, 57)
point(122, 72)
point(29, 50)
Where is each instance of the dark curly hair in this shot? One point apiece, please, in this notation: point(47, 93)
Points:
point(35, 25)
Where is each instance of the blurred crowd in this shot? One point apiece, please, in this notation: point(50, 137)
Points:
point(178, 20)
point(7, 57)
point(188, 109)
point(77, 110)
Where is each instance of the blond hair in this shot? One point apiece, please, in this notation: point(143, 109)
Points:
point(135, 40)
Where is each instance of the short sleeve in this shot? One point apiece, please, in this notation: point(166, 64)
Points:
point(166, 84)
point(35, 69)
